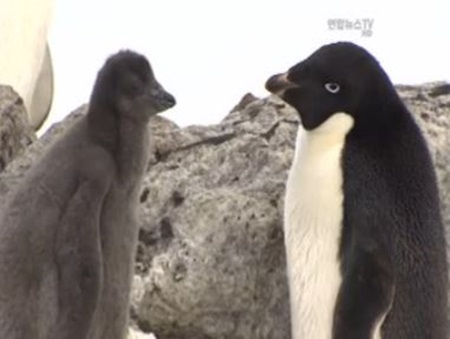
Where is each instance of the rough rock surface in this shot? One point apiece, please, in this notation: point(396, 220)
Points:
point(211, 257)
point(15, 132)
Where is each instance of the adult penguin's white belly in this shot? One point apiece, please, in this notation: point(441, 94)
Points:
point(313, 226)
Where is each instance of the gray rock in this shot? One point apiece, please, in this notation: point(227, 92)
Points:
point(211, 256)
point(15, 132)
point(211, 259)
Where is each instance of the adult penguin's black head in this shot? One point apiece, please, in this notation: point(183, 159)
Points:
point(337, 78)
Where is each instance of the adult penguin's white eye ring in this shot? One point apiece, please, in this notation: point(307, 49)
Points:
point(332, 87)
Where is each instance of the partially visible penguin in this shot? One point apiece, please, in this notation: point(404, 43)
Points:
point(68, 234)
point(25, 62)
point(42, 99)
point(364, 238)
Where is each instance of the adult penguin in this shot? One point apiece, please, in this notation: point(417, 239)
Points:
point(363, 232)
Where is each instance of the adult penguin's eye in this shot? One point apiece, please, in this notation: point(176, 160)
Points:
point(332, 87)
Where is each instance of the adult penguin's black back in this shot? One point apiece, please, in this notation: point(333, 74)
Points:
point(392, 276)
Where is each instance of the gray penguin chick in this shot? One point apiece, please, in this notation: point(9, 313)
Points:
point(68, 234)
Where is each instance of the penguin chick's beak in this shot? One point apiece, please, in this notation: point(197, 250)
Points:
point(167, 99)
point(161, 99)
point(279, 83)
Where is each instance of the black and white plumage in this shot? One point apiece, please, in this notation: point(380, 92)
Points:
point(364, 237)
point(68, 233)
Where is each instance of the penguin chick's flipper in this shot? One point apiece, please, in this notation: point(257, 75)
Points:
point(366, 294)
point(78, 257)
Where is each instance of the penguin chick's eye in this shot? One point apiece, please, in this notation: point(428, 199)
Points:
point(133, 86)
point(332, 87)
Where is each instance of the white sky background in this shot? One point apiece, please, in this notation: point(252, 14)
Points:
point(208, 54)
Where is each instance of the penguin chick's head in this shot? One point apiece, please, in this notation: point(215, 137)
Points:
point(126, 85)
point(339, 77)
